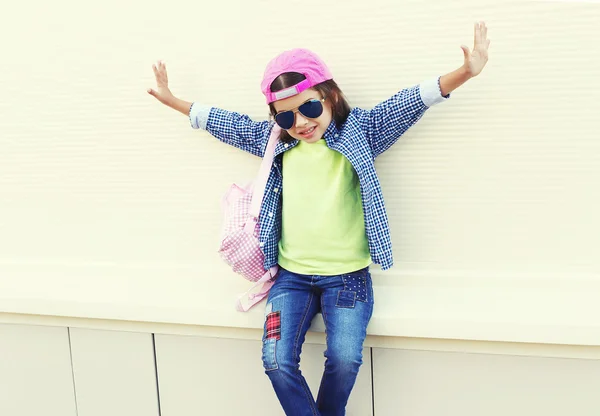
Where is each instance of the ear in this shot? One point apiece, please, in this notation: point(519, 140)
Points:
point(335, 98)
point(332, 100)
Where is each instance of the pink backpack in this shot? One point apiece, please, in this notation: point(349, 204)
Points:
point(239, 243)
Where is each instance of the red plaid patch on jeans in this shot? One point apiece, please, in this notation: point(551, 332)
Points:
point(274, 325)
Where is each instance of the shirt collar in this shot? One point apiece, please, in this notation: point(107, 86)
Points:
point(331, 134)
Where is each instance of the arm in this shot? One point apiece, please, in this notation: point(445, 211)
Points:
point(232, 128)
point(164, 94)
point(473, 64)
point(235, 129)
point(389, 120)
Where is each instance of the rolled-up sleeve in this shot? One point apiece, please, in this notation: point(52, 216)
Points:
point(199, 116)
point(431, 93)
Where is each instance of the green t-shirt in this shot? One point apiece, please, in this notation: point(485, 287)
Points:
point(323, 225)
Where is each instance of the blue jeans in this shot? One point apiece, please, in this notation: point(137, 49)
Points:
point(346, 303)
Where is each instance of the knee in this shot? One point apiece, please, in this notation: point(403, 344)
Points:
point(344, 361)
point(275, 356)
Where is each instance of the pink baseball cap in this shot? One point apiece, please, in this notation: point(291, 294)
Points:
point(298, 60)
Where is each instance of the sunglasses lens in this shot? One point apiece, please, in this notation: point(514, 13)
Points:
point(311, 109)
point(285, 119)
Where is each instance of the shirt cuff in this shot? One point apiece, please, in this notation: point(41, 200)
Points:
point(431, 93)
point(199, 116)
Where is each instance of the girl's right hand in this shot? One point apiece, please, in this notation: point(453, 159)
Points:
point(162, 92)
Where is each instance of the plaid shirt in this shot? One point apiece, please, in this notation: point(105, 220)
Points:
point(364, 136)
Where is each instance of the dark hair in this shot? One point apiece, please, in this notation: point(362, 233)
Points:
point(340, 109)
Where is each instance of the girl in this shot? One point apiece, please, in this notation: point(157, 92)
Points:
point(323, 219)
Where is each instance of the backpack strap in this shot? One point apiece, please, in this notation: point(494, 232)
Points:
point(265, 283)
point(263, 174)
point(267, 280)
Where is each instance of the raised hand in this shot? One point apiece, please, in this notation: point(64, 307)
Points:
point(162, 92)
point(475, 60)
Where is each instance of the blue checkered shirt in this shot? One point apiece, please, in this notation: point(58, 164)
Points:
point(364, 136)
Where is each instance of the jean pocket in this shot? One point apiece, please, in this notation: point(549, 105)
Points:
point(346, 299)
point(359, 283)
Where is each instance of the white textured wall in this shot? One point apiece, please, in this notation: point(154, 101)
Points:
point(109, 202)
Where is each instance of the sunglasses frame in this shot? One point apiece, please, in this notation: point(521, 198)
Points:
point(297, 110)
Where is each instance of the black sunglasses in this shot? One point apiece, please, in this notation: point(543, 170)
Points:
point(312, 108)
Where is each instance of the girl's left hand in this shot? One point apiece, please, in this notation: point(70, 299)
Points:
point(476, 60)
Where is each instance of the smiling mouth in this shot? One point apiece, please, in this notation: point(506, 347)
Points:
point(309, 131)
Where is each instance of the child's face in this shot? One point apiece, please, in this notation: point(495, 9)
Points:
point(309, 130)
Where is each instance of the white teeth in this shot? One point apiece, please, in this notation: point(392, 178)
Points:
point(308, 131)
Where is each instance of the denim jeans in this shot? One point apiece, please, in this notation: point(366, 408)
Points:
point(346, 303)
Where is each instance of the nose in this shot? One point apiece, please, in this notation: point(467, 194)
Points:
point(300, 120)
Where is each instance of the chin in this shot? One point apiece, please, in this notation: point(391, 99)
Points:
point(313, 139)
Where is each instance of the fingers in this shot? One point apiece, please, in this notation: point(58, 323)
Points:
point(162, 67)
point(159, 68)
point(160, 73)
point(164, 70)
point(156, 95)
point(480, 34)
point(466, 52)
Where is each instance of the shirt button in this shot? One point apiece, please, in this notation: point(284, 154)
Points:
point(276, 190)
point(286, 145)
point(270, 214)
point(336, 135)
point(262, 244)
